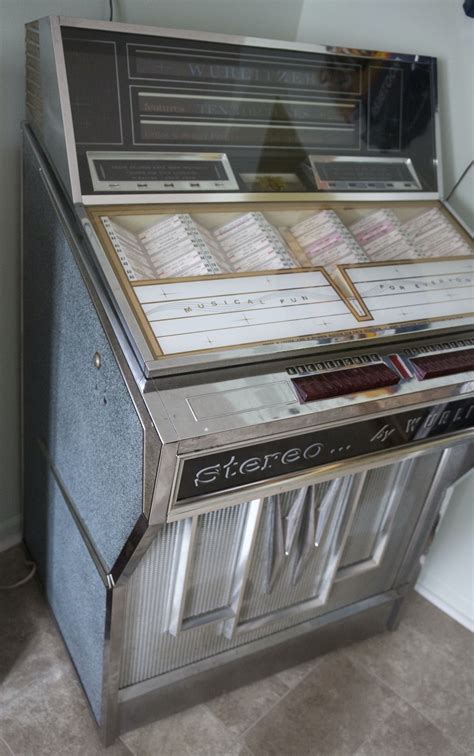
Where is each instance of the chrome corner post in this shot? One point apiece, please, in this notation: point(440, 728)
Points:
point(113, 640)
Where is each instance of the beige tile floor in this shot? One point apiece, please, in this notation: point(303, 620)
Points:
point(403, 693)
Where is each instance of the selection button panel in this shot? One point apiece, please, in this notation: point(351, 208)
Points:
point(444, 363)
point(340, 382)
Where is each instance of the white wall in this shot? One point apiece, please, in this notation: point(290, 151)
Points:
point(265, 18)
point(447, 578)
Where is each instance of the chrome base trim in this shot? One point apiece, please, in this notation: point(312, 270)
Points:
point(169, 693)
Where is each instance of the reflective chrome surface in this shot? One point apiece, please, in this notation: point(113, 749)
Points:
point(241, 572)
point(229, 183)
point(139, 199)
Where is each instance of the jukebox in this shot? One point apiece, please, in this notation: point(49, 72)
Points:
point(248, 351)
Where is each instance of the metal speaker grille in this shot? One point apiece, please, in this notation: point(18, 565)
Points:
point(150, 649)
point(223, 579)
point(260, 598)
point(374, 500)
point(218, 533)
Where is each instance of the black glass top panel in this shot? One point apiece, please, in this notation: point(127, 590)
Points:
point(257, 119)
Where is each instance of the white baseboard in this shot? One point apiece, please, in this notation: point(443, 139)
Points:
point(11, 532)
point(446, 608)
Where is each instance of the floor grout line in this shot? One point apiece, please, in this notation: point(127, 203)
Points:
point(10, 750)
point(406, 700)
point(276, 703)
point(125, 745)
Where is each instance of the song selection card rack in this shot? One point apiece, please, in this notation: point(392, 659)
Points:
point(224, 311)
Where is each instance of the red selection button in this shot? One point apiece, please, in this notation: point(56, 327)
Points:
point(340, 382)
point(444, 363)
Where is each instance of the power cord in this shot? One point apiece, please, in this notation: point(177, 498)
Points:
point(24, 580)
point(111, 10)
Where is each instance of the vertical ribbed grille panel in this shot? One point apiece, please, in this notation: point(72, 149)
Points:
point(362, 539)
point(210, 586)
point(284, 593)
point(151, 650)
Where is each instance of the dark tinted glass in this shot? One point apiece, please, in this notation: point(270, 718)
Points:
point(274, 113)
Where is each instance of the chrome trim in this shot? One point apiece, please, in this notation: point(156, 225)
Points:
point(113, 641)
point(65, 106)
point(165, 483)
point(396, 488)
point(87, 539)
point(349, 494)
point(22, 332)
point(288, 414)
point(133, 692)
point(314, 159)
point(133, 551)
point(187, 539)
point(249, 538)
point(157, 184)
point(89, 200)
point(299, 349)
point(437, 141)
point(208, 618)
point(326, 472)
point(228, 439)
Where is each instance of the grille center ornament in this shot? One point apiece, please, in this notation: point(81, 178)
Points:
point(296, 525)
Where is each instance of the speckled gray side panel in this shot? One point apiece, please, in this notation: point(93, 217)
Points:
point(85, 416)
point(73, 587)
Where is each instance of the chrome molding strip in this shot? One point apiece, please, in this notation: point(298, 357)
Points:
point(299, 349)
point(99, 563)
point(203, 436)
point(249, 538)
point(346, 467)
point(113, 641)
point(89, 200)
point(165, 484)
point(65, 108)
point(319, 419)
point(187, 539)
